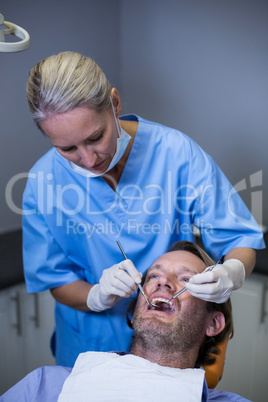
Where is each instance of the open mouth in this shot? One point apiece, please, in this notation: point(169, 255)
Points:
point(164, 305)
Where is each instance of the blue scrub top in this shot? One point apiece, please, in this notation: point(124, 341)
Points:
point(71, 224)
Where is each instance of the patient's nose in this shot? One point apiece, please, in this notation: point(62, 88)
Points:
point(165, 282)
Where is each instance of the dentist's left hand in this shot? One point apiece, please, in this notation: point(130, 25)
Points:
point(217, 285)
point(116, 282)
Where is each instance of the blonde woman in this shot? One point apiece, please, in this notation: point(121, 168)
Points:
point(110, 177)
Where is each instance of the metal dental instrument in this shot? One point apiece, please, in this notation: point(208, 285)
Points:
point(139, 285)
point(180, 291)
point(187, 280)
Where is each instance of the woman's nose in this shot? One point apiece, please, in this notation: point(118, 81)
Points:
point(88, 158)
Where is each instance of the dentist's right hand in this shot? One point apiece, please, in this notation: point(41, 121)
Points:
point(116, 282)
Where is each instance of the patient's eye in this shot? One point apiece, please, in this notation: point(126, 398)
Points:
point(183, 278)
point(152, 276)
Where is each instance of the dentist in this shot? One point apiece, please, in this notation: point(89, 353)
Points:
point(151, 182)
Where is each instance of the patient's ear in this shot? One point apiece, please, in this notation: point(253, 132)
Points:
point(216, 324)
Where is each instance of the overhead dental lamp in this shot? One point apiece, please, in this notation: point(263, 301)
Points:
point(7, 28)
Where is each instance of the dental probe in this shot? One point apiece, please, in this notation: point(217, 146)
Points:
point(180, 291)
point(139, 285)
point(187, 280)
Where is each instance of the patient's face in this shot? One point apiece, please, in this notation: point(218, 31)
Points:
point(167, 276)
point(184, 315)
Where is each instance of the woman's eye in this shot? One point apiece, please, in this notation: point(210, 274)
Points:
point(98, 138)
point(71, 149)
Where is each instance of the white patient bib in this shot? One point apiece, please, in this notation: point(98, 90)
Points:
point(108, 377)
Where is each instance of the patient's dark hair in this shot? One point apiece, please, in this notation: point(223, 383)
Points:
point(208, 350)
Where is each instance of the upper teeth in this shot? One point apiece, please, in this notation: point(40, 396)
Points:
point(161, 299)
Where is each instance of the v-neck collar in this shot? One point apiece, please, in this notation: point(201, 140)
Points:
point(135, 161)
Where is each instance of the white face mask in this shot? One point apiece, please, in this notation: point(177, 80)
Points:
point(121, 146)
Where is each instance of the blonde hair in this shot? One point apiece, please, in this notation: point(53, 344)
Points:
point(63, 82)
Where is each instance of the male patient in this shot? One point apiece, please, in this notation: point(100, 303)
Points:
point(170, 342)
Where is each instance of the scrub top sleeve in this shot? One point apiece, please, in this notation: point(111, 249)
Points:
point(222, 217)
point(45, 264)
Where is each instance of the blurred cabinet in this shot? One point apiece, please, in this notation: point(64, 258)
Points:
point(245, 371)
point(27, 322)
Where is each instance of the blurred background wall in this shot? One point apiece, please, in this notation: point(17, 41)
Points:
point(198, 66)
point(91, 27)
point(201, 66)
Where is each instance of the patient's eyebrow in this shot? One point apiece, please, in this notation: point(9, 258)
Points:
point(182, 268)
point(157, 266)
point(191, 271)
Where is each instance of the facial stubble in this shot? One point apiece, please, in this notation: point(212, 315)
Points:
point(185, 333)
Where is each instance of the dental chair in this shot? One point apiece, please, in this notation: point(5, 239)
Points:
point(214, 372)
